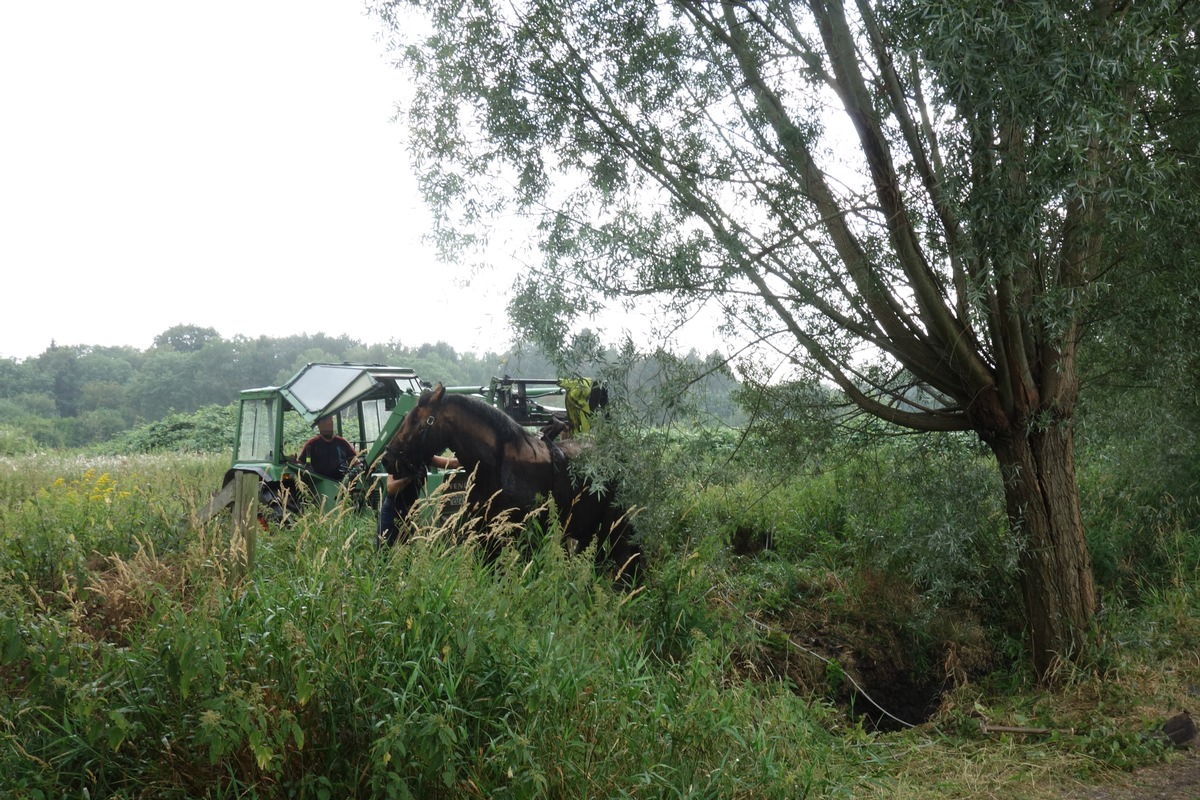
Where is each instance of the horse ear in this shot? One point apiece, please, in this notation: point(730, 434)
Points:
point(433, 395)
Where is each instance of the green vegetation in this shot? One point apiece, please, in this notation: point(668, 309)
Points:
point(937, 207)
point(174, 396)
point(81, 395)
point(831, 608)
point(134, 663)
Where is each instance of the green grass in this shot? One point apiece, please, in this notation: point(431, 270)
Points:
point(135, 662)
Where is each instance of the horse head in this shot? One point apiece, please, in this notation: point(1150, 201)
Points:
point(418, 438)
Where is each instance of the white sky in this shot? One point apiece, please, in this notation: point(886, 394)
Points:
point(229, 164)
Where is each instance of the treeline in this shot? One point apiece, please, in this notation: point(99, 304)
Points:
point(83, 395)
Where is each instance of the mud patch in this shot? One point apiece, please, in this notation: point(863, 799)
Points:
point(870, 646)
point(1174, 780)
point(869, 667)
point(875, 689)
point(887, 699)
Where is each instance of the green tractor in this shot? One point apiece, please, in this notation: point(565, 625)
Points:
point(367, 403)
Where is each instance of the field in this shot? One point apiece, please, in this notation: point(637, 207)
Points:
point(137, 661)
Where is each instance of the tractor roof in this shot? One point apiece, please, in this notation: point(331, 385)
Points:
point(322, 389)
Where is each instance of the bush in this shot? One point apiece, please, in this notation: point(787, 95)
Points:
point(14, 441)
point(208, 430)
point(99, 425)
point(930, 508)
point(1139, 484)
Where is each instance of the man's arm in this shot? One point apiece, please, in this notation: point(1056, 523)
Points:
point(394, 485)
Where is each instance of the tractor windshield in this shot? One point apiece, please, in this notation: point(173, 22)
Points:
point(257, 436)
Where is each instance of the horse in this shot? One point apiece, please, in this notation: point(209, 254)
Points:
point(514, 471)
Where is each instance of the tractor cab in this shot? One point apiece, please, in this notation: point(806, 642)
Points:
point(366, 402)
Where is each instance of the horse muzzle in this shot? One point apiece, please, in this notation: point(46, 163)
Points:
point(400, 465)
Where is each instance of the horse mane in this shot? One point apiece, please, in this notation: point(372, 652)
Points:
point(507, 429)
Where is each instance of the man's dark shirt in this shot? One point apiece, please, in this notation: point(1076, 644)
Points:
point(329, 458)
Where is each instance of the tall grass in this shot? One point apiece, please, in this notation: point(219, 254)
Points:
point(136, 661)
point(136, 664)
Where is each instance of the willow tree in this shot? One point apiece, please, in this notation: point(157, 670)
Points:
point(907, 194)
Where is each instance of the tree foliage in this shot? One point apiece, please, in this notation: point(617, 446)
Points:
point(995, 145)
point(185, 338)
point(924, 202)
point(83, 394)
point(114, 390)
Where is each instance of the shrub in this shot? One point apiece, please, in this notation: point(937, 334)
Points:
point(930, 509)
point(207, 430)
point(14, 441)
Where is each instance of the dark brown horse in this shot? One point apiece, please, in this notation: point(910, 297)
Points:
point(514, 471)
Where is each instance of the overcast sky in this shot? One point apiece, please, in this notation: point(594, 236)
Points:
point(225, 164)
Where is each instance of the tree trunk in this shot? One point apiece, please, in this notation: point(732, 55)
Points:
point(1042, 500)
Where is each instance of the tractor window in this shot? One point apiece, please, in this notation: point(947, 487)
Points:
point(348, 426)
point(257, 436)
point(375, 414)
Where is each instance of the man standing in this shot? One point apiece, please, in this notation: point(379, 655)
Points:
point(325, 453)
